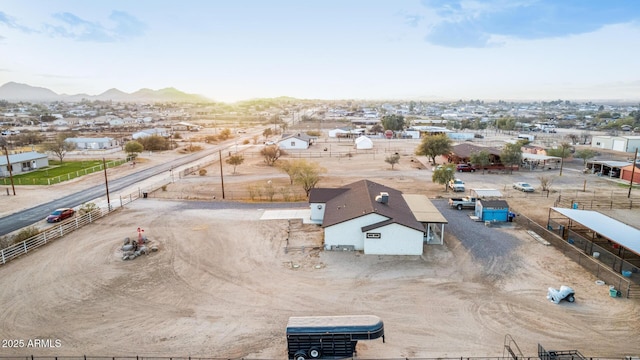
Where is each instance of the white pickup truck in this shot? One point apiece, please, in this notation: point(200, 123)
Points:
point(456, 185)
point(466, 202)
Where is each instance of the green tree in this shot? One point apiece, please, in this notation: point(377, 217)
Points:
point(133, 148)
point(393, 122)
point(511, 155)
point(392, 160)
point(585, 155)
point(433, 146)
point(442, 175)
point(481, 158)
point(308, 175)
point(59, 146)
point(506, 123)
point(235, 160)
point(154, 143)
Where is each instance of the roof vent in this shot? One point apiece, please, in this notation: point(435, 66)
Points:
point(383, 198)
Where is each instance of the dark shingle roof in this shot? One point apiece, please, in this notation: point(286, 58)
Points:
point(358, 199)
point(494, 204)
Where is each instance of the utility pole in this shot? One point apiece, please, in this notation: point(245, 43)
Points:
point(221, 176)
point(633, 172)
point(106, 182)
point(6, 153)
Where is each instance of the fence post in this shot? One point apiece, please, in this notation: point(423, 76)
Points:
point(2, 252)
point(24, 244)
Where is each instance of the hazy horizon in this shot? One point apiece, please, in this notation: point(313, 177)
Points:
point(431, 50)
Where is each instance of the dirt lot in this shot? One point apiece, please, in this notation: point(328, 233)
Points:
point(221, 284)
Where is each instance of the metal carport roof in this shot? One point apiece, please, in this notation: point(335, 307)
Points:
point(618, 232)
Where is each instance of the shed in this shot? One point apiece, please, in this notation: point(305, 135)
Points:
point(363, 143)
point(492, 210)
point(628, 171)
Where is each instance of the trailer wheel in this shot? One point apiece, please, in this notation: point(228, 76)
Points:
point(314, 353)
point(571, 298)
point(300, 355)
point(459, 207)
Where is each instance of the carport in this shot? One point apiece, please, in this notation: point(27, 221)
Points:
point(539, 161)
point(597, 234)
point(426, 213)
point(607, 168)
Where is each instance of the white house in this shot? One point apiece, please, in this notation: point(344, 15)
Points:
point(93, 143)
point(22, 163)
point(148, 132)
point(297, 141)
point(369, 217)
point(363, 143)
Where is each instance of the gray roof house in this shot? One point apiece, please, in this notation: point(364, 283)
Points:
point(93, 143)
point(23, 162)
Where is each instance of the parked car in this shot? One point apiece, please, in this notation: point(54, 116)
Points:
point(456, 185)
point(465, 168)
point(523, 186)
point(60, 214)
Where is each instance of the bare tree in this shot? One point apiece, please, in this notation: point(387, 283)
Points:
point(59, 146)
point(545, 182)
point(271, 154)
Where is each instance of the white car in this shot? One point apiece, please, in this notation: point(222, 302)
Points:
point(456, 185)
point(523, 186)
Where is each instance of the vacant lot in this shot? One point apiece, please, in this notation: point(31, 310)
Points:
point(222, 284)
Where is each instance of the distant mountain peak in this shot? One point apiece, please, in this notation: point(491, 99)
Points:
point(13, 91)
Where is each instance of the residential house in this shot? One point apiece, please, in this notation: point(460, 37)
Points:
point(93, 143)
point(297, 141)
point(368, 217)
point(22, 163)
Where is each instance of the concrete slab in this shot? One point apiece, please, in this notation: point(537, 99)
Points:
point(279, 214)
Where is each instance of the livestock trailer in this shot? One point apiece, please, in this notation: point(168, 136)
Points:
point(330, 337)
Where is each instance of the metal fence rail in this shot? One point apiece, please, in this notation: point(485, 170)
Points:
point(50, 234)
point(577, 254)
point(46, 236)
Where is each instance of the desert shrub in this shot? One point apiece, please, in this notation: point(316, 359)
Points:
point(87, 208)
point(202, 172)
point(22, 235)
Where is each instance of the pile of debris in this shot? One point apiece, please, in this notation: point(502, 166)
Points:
point(131, 249)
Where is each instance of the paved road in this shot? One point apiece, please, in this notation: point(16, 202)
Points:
point(35, 214)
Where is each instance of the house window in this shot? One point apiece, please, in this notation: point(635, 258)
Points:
point(598, 143)
point(374, 235)
point(293, 143)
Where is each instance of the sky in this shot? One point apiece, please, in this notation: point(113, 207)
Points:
point(235, 50)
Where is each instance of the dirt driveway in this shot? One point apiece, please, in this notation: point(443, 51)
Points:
point(222, 285)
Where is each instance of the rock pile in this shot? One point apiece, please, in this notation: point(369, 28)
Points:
point(131, 249)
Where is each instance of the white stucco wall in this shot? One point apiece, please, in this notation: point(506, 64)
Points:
point(293, 143)
point(350, 232)
point(394, 239)
point(317, 214)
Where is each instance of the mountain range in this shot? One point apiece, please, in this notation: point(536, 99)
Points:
point(13, 92)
